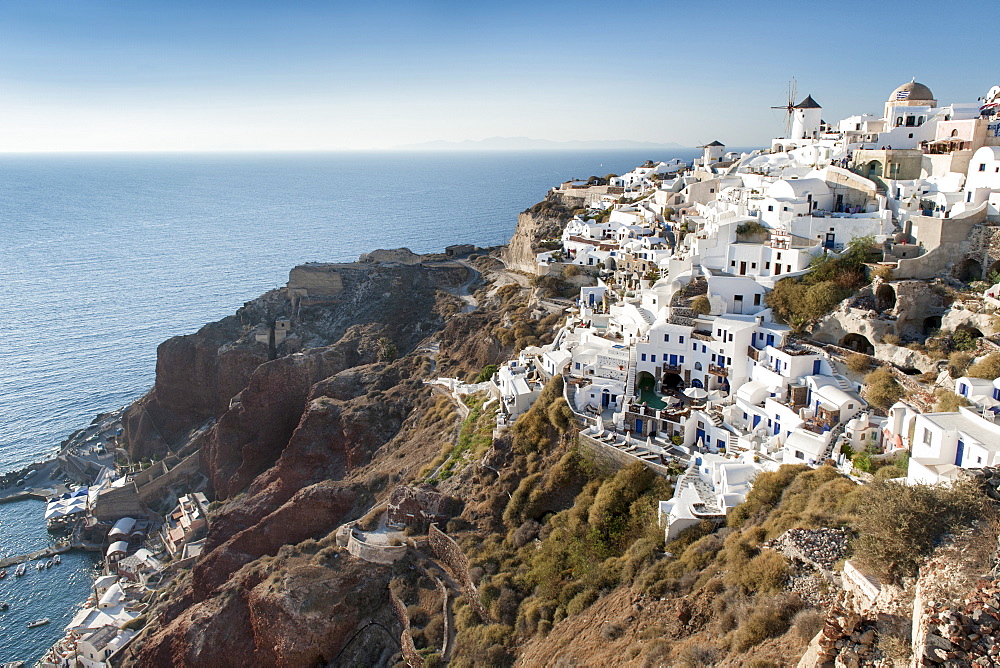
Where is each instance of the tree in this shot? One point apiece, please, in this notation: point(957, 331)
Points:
point(882, 389)
point(387, 351)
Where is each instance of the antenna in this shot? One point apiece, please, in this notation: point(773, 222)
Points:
point(789, 107)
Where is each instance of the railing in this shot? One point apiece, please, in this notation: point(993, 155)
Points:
point(753, 353)
point(717, 370)
point(671, 368)
point(701, 336)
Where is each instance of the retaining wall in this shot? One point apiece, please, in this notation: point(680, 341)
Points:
point(454, 559)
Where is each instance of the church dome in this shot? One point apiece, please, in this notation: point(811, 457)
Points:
point(911, 90)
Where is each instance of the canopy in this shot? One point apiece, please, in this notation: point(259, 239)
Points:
point(696, 392)
point(65, 507)
point(122, 527)
point(118, 546)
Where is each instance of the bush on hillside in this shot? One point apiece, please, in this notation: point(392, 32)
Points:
point(882, 389)
point(899, 525)
point(987, 367)
point(958, 364)
point(859, 363)
point(948, 402)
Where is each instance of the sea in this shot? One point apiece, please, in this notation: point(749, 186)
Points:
point(104, 256)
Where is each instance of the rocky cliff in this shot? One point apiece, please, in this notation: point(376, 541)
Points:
point(544, 220)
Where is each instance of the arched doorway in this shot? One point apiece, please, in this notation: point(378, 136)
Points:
point(858, 343)
point(672, 381)
point(968, 270)
point(931, 324)
point(873, 168)
point(885, 298)
point(644, 381)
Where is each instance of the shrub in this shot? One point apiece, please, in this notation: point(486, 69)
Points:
point(859, 363)
point(884, 272)
point(766, 572)
point(899, 525)
point(882, 389)
point(948, 402)
point(571, 270)
point(889, 472)
point(486, 373)
point(988, 367)
point(958, 363)
point(701, 305)
point(759, 626)
point(892, 340)
point(807, 623)
point(751, 228)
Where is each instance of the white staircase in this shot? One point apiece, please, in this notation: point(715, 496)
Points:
point(630, 376)
point(845, 384)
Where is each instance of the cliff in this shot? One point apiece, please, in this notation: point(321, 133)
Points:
point(544, 220)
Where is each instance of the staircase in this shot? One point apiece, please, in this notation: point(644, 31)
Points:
point(716, 418)
point(835, 435)
point(630, 377)
point(844, 384)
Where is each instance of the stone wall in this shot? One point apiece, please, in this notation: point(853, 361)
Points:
point(410, 654)
point(376, 554)
point(184, 472)
point(453, 558)
point(947, 241)
point(614, 459)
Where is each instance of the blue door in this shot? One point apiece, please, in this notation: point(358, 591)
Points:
point(770, 339)
point(638, 427)
point(959, 453)
point(777, 428)
point(816, 367)
point(756, 420)
point(700, 435)
point(673, 360)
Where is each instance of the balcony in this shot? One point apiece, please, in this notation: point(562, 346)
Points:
point(717, 370)
point(671, 368)
point(753, 353)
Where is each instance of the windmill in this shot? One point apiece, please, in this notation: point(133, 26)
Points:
point(790, 106)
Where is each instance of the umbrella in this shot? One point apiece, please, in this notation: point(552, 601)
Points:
point(696, 392)
point(717, 395)
point(600, 424)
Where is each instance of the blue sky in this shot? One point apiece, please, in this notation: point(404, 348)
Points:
point(132, 75)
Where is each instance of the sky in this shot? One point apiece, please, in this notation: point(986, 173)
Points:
point(96, 75)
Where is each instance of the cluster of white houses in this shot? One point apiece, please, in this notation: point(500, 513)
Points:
point(674, 355)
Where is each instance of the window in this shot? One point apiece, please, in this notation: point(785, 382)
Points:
point(703, 348)
point(694, 347)
point(927, 436)
point(719, 443)
point(982, 167)
point(756, 300)
point(577, 365)
point(666, 338)
point(910, 136)
point(653, 359)
point(729, 361)
point(644, 357)
point(682, 338)
point(767, 265)
point(849, 406)
point(899, 120)
point(730, 337)
point(799, 455)
point(753, 265)
point(681, 358)
point(770, 207)
point(784, 208)
point(732, 263)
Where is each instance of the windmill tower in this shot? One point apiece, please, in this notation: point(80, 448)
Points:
point(802, 120)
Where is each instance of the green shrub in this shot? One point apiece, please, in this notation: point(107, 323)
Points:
point(762, 624)
point(488, 371)
point(958, 363)
point(765, 572)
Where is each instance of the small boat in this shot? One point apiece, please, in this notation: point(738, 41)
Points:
point(48, 564)
point(3, 573)
point(40, 565)
point(38, 622)
point(57, 560)
point(12, 664)
point(20, 570)
point(4, 606)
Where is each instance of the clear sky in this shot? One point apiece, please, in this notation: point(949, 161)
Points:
point(96, 75)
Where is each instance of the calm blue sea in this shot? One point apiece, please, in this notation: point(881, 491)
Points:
point(102, 257)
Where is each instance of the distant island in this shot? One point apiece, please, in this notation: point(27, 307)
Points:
point(529, 144)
